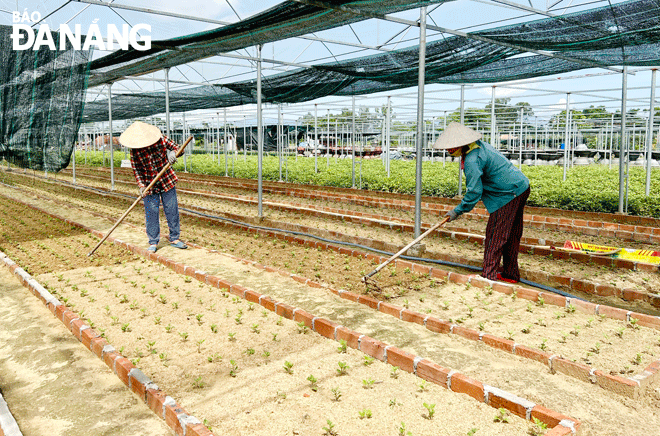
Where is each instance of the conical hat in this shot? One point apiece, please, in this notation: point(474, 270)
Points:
point(456, 135)
point(140, 135)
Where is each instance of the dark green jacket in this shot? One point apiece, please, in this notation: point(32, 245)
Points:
point(491, 178)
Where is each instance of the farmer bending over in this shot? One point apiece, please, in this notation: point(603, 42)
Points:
point(150, 152)
point(502, 187)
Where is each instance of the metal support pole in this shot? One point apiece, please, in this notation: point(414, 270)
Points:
point(492, 122)
point(112, 160)
point(521, 139)
point(316, 137)
point(260, 136)
point(280, 143)
point(388, 133)
point(567, 140)
point(353, 147)
point(460, 171)
point(185, 127)
point(623, 148)
point(649, 134)
point(420, 120)
point(167, 101)
point(224, 145)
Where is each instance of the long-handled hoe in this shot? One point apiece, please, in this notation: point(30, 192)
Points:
point(137, 200)
point(370, 282)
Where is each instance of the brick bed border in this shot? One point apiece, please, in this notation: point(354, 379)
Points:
point(530, 247)
point(627, 386)
point(186, 425)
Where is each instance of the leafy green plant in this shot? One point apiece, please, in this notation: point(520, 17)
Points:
point(329, 429)
point(336, 393)
point(430, 410)
point(343, 368)
point(342, 346)
point(365, 413)
point(502, 415)
point(288, 367)
point(368, 383)
point(233, 371)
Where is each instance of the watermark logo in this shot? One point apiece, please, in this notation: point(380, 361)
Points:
point(25, 37)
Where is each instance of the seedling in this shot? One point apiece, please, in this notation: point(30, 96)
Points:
point(280, 321)
point(430, 408)
point(302, 328)
point(329, 429)
point(637, 360)
point(169, 328)
point(312, 380)
point(162, 299)
point(266, 354)
point(343, 368)
point(336, 393)
point(596, 348)
point(365, 413)
point(403, 431)
point(125, 328)
point(530, 308)
point(232, 336)
point(255, 328)
point(538, 428)
point(482, 326)
point(288, 367)
point(368, 360)
point(184, 336)
point(509, 335)
point(342, 346)
point(570, 309)
point(238, 318)
point(423, 386)
point(526, 329)
point(540, 301)
point(502, 415)
point(233, 371)
point(198, 383)
point(543, 345)
point(199, 345)
point(368, 383)
point(394, 372)
point(619, 332)
point(589, 321)
point(633, 323)
point(250, 351)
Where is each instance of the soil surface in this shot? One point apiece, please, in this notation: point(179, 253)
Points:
point(188, 347)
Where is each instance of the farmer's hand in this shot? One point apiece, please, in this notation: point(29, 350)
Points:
point(451, 215)
point(171, 156)
point(141, 191)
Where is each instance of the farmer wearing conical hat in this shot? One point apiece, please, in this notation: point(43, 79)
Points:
point(503, 188)
point(150, 152)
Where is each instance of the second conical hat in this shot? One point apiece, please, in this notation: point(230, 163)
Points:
point(456, 135)
point(140, 135)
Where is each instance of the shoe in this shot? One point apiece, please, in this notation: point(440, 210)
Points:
point(178, 244)
point(152, 248)
point(504, 279)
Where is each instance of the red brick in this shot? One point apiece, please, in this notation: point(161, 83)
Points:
point(510, 404)
point(626, 227)
point(137, 386)
point(369, 301)
point(390, 309)
point(252, 296)
point(466, 385)
point(411, 316)
point(109, 359)
point(580, 223)
point(197, 430)
point(559, 281)
point(172, 420)
point(547, 416)
point(76, 325)
point(238, 290)
point(612, 312)
point(479, 282)
point(284, 310)
point(504, 288)
point(86, 337)
point(372, 347)
point(432, 372)
point(531, 353)
point(303, 316)
point(299, 279)
point(325, 327)
point(527, 294)
point(67, 317)
point(421, 269)
point(348, 335)
point(439, 273)
point(583, 286)
point(97, 344)
point(267, 303)
point(581, 257)
point(465, 332)
point(200, 275)
point(562, 255)
point(559, 430)
point(605, 290)
point(438, 325)
point(573, 369)
point(59, 311)
point(614, 383)
point(647, 320)
point(641, 266)
point(459, 278)
point(155, 400)
point(602, 260)
point(497, 342)
point(623, 263)
point(350, 296)
point(584, 306)
point(401, 358)
point(122, 367)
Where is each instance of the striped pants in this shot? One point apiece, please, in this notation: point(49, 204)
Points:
point(503, 233)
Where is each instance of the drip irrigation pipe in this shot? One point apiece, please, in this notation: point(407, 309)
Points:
point(349, 244)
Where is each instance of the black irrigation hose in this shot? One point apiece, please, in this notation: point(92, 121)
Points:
point(349, 244)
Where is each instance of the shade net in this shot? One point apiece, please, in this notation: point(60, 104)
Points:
point(624, 34)
point(42, 93)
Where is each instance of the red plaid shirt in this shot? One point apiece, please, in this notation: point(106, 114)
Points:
point(147, 163)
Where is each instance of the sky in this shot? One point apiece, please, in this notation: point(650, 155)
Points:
point(547, 95)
